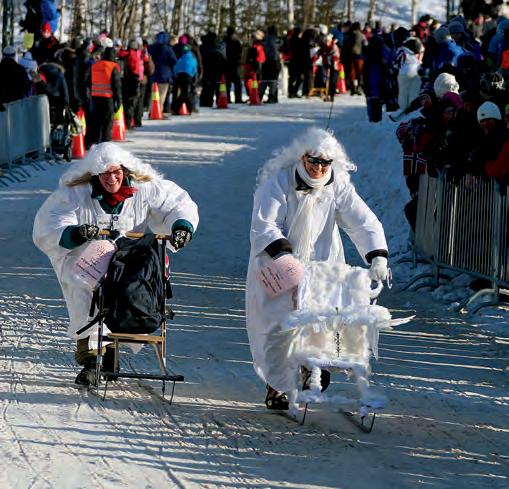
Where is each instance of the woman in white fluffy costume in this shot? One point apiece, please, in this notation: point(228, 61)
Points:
point(304, 194)
point(110, 188)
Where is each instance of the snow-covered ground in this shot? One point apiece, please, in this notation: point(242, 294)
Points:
point(446, 425)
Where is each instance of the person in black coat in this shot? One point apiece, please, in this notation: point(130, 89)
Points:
point(55, 87)
point(214, 65)
point(272, 65)
point(233, 61)
point(14, 82)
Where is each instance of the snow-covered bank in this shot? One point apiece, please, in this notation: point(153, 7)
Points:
point(446, 425)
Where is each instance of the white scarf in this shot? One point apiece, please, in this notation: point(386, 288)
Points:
point(312, 182)
point(305, 225)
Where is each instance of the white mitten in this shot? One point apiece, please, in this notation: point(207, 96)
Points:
point(378, 270)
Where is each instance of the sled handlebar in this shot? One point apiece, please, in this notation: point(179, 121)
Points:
point(106, 232)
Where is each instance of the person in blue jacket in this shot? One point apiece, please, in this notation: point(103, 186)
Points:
point(164, 60)
point(448, 50)
point(185, 75)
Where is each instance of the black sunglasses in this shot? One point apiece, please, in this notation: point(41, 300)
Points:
point(318, 161)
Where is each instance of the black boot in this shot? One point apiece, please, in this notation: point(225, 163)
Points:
point(87, 376)
point(324, 379)
point(276, 400)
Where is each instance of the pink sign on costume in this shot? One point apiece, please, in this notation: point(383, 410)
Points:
point(281, 275)
point(92, 264)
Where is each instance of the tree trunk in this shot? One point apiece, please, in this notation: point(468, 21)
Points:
point(175, 21)
point(145, 18)
point(349, 9)
point(233, 13)
point(291, 13)
point(307, 13)
point(79, 11)
point(372, 10)
point(414, 12)
point(7, 24)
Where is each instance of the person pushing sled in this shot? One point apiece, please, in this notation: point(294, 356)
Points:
point(307, 312)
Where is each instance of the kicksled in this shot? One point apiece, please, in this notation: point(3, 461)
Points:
point(94, 268)
point(332, 335)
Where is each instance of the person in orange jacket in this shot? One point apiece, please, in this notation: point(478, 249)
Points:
point(106, 95)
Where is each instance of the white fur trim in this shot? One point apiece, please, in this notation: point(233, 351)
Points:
point(101, 156)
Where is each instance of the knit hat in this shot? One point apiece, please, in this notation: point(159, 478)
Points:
point(9, 52)
point(28, 62)
point(133, 44)
point(183, 39)
point(442, 34)
point(452, 99)
point(456, 27)
point(444, 83)
point(46, 27)
point(488, 110)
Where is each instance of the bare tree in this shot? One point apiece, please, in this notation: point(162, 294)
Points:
point(308, 7)
point(79, 12)
point(291, 13)
point(7, 22)
point(145, 18)
point(372, 10)
point(177, 13)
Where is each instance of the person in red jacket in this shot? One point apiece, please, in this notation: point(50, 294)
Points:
point(105, 91)
point(254, 59)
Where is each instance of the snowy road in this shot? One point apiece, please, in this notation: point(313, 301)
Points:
point(448, 421)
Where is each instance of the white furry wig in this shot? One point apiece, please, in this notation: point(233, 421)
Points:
point(314, 142)
point(100, 157)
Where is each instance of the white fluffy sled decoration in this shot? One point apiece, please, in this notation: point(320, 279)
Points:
point(334, 327)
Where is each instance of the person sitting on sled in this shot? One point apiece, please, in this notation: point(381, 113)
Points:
point(113, 189)
point(304, 195)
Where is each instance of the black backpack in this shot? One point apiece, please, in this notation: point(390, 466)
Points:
point(134, 289)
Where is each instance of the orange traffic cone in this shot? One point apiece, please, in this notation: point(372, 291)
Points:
point(222, 101)
point(118, 129)
point(183, 109)
point(341, 86)
point(81, 116)
point(155, 107)
point(254, 97)
point(78, 145)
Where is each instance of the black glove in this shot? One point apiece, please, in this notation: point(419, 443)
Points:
point(116, 105)
point(85, 232)
point(180, 238)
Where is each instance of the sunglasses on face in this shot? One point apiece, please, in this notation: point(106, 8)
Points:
point(318, 161)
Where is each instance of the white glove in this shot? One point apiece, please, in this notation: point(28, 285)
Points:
point(378, 270)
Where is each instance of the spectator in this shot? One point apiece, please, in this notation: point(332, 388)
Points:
point(214, 66)
point(45, 48)
point(186, 70)
point(271, 66)
point(14, 82)
point(233, 61)
point(164, 59)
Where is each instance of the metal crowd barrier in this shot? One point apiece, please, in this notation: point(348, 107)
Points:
point(462, 226)
point(24, 132)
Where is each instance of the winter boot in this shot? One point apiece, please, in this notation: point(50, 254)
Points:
point(276, 400)
point(324, 379)
point(87, 375)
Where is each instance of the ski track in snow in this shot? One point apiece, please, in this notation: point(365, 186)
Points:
point(447, 421)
